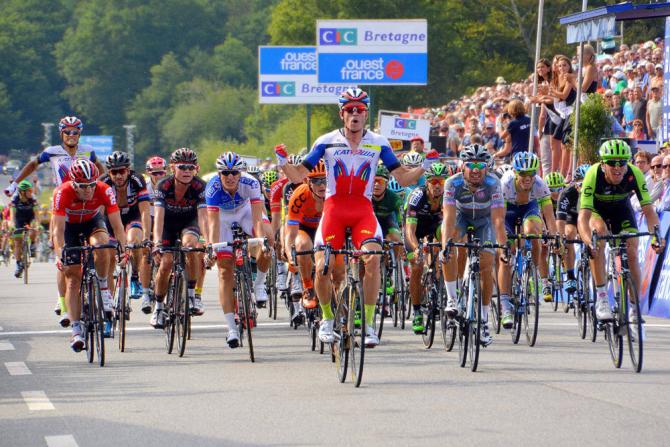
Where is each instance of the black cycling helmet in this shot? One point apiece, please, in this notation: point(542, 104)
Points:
point(117, 159)
point(184, 155)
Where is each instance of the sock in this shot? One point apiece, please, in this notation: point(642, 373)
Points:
point(61, 303)
point(190, 288)
point(198, 290)
point(416, 307)
point(369, 314)
point(504, 302)
point(327, 311)
point(103, 283)
point(571, 274)
point(451, 289)
point(545, 282)
point(230, 321)
point(485, 312)
point(601, 292)
point(260, 279)
point(76, 325)
point(159, 301)
point(147, 291)
point(307, 284)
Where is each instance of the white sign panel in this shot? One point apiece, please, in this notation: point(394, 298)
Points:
point(373, 52)
point(287, 75)
point(398, 128)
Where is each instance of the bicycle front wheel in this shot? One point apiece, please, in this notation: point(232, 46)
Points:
point(634, 328)
point(247, 319)
point(88, 313)
point(495, 309)
point(26, 259)
point(531, 292)
point(169, 309)
point(475, 321)
point(122, 307)
point(182, 312)
point(340, 346)
point(517, 292)
point(582, 302)
point(99, 321)
point(357, 331)
point(428, 335)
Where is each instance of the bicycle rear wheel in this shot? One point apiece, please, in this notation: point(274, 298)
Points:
point(122, 307)
point(99, 321)
point(381, 307)
point(182, 312)
point(634, 329)
point(357, 341)
point(531, 312)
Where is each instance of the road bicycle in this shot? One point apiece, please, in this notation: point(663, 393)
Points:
point(584, 298)
point(313, 316)
point(620, 283)
point(92, 313)
point(349, 337)
point(394, 290)
point(177, 303)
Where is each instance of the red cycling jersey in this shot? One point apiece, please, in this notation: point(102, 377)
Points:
point(276, 192)
point(67, 203)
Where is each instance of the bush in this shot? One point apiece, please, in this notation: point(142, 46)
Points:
point(594, 123)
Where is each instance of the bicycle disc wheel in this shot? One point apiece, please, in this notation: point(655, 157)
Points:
point(357, 340)
point(494, 313)
point(247, 318)
point(99, 321)
point(122, 307)
point(531, 312)
point(634, 329)
point(475, 323)
point(182, 312)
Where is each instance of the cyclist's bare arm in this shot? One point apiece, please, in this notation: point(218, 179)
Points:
point(145, 216)
point(290, 233)
point(58, 233)
point(257, 217)
point(498, 220)
point(159, 216)
point(583, 225)
point(295, 174)
point(28, 169)
point(410, 236)
point(214, 226)
point(407, 176)
point(549, 218)
point(202, 221)
point(448, 222)
point(117, 227)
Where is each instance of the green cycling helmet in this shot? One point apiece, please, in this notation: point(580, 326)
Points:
point(269, 177)
point(382, 172)
point(615, 150)
point(25, 185)
point(555, 180)
point(437, 170)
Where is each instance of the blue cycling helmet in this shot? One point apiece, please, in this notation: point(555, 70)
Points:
point(580, 172)
point(525, 161)
point(394, 186)
point(230, 161)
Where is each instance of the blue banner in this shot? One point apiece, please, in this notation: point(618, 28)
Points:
point(665, 122)
point(373, 68)
point(287, 61)
point(660, 302)
point(102, 145)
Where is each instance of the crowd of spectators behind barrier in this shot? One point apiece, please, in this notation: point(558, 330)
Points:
point(630, 78)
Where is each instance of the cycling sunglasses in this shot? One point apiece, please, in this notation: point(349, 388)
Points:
point(527, 173)
point(559, 189)
point(318, 180)
point(436, 180)
point(118, 171)
point(157, 173)
point(475, 165)
point(84, 185)
point(186, 167)
point(616, 163)
point(226, 173)
point(71, 132)
point(355, 108)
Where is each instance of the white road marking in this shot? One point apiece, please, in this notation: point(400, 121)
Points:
point(6, 346)
point(17, 369)
point(61, 441)
point(0, 328)
point(37, 400)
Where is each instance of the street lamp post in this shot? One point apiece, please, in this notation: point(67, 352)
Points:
point(47, 134)
point(130, 141)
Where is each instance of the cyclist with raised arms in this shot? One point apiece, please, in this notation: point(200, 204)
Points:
point(77, 212)
point(605, 207)
point(351, 155)
point(566, 221)
point(179, 207)
point(302, 219)
point(234, 197)
point(22, 212)
point(527, 198)
point(60, 157)
point(133, 201)
point(423, 219)
point(473, 198)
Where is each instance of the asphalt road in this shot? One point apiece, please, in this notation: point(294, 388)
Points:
point(564, 391)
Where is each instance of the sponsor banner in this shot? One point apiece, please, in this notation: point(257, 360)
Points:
point(374, 69)
point(665, 122)
point(102, 145)
point(647, 259)
point(660, 289)
point(398, 128)
point(288, 75)
point(372, 36)
point(373, 52)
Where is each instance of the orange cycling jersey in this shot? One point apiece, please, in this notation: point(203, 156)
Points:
point(302, 208)
point(67, 203)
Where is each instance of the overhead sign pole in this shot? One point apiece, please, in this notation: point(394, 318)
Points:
point(538, 48)
point(575, 143)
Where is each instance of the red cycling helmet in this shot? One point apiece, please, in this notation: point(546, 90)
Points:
point(156, 164)
point(70, 121)
point(83, 170)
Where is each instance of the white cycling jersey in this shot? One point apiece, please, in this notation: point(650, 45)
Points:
point(351, 171)
point(60, 160)
point(539, 191)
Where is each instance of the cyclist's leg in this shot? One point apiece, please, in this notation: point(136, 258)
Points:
point(134, 236)
point(569, 260)
point(304, 242)
point(189, 239)
point(17, 240)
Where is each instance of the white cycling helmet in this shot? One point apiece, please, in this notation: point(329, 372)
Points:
point(412, 158)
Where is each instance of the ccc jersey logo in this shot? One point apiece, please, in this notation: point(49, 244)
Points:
point(298, 203)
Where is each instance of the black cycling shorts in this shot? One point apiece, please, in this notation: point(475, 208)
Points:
point(388, 223)
point(619, 217)
point(311, 232)
point(175, 230)
point(77, 233)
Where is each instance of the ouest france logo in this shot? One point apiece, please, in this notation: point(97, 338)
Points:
point(286, 88)
point(338, 36)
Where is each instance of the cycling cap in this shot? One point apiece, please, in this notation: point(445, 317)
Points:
point(83, 170)
point(555, 180)
point(117, 159)
point(525, 161)
point(184, 155)
point(70, 121)
point(229, 161)
point(615, 150)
